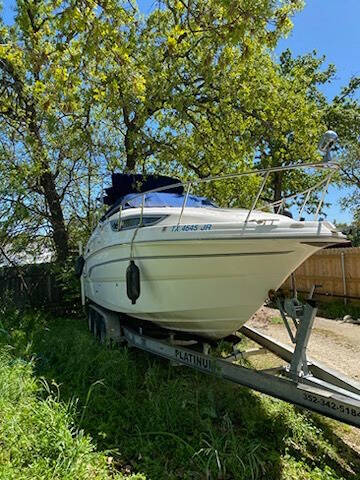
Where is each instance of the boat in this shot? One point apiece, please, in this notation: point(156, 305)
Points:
point(163, 255)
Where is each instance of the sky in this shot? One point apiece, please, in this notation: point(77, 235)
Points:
point(331, 27)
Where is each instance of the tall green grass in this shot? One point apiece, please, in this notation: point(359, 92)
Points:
point(167, 422)
point(39, 437)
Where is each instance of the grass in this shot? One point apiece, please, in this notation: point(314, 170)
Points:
point(73, 409)
point(38, 436)
point(337, 309)
point(276, 320)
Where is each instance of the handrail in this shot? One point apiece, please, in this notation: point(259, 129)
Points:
point(265, 172)
point(257, 196)
point(326, 186)
point(304, 203)
point(184, 202)
point(294, 195)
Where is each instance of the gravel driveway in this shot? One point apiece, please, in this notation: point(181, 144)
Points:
point(333, 342)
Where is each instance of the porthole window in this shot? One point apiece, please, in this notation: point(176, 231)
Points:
point(133, 222)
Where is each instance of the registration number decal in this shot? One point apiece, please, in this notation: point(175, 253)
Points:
point(191, 228)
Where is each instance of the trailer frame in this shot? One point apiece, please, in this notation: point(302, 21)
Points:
point(303, 382)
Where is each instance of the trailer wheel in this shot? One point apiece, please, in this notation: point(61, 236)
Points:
point(100, 329)
point(105, 325)
point(91, 320)
point(97, 325)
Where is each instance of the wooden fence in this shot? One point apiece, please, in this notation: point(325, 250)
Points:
point(32, 285)
point(335, 272)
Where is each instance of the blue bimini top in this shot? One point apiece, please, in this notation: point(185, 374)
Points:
point(125, 191)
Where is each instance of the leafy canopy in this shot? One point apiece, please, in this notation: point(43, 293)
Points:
point(192, 89)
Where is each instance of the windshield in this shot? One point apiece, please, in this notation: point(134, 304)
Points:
point(160, 199)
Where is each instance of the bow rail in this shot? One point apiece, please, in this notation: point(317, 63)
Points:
point(323, 184)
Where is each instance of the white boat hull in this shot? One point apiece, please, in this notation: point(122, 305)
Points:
point(209, 288)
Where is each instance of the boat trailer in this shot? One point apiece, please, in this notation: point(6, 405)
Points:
point(303, 382)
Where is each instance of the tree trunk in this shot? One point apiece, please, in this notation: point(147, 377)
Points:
point(60, 235)
point(47, 182)
point(131, 153)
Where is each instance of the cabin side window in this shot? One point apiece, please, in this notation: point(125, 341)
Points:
point(133, 222)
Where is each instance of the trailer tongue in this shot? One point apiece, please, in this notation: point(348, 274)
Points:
point(303, 382)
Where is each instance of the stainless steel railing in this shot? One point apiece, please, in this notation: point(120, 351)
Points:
point(323, 183)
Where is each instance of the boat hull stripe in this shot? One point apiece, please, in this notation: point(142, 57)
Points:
point(209, 255)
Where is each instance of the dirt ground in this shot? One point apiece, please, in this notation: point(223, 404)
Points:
point(333, 342)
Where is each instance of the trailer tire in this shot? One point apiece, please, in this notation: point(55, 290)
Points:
point(91, 321)
point(101, 329)
point(97, 325)
point(105, 325)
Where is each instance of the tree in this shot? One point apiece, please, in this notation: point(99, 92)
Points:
point(350, 178)
point(202, 98)
point(48, 127)
point(294, 135)
point(87, 87)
